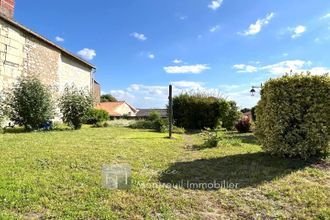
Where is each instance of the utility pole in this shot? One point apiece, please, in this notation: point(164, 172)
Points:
point(170, 111)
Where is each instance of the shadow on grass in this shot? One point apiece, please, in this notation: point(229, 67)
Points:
point(203, 146)
point(21, 130)
point(247, 138)
point(245, 170)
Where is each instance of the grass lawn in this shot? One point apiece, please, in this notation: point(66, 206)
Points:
point(58, 175)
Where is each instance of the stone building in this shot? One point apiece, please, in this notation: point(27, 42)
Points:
point(26, 53)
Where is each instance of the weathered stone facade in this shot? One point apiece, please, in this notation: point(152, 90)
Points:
point(26, 54)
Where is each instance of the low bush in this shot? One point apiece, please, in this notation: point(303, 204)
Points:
point(178, 130)
point(211, 138)
point(293, 116)
point(243, 125)
point(154, 122)
point(142, 124)
point(74, 105)
point(101, 124)
point(94, 116)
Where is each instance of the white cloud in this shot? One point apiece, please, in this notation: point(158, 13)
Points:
point(194, 69)
point(177, 61)
point(87, 54)
point(183, 17)
point(326, 16)
point(215, 4)
point(260, 23)
point(139, 36)
point(285, 54)
point(187, 85)
point(286, 66)
point(242, 68)
point(122, 95)
point(319, 70)
point(151, 56)
point(297, 31)
point(214, 28)
point(59, 39)
point(280, 68)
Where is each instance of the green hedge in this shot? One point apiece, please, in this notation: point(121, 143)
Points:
point(293, 116)
point(199, 111)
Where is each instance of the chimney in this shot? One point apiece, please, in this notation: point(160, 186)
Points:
point(7, 8)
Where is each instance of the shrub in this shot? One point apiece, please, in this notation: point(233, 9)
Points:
point(142, 124)
point(198, 111)
point(293, 116)
point(153, 116)
point(29, 103)
point(94, 116)
point(231, 116)
point(178, 130)
point(211, 138)
point(154, 122)
point(74, 104)
point(243, 125)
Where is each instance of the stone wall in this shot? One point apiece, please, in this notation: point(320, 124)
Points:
point(22, 54)
point(12, 56)
point(72, 73)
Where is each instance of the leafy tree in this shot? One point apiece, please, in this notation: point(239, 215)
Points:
point(74, 105)
point(29, 103)
point(231, 116)
point(108, 98)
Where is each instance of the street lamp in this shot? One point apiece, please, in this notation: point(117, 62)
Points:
point(253, 90)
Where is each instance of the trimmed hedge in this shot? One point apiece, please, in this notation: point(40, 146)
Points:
point(293, 116)
point(200, 111)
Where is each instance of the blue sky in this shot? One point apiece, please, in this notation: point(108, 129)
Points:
point(218, 46)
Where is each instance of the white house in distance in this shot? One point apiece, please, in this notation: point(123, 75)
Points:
point(24, 52)
point(118, 109)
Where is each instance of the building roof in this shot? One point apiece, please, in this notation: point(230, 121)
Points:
point(28, 31)
point(111, 107)
point(146, 112)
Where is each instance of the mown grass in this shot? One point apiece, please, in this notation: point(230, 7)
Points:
point(58, 175)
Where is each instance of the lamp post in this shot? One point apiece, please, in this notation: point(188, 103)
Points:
point(253, 90)
point(170, 112)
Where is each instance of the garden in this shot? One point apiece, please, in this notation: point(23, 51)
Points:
point(207, 171)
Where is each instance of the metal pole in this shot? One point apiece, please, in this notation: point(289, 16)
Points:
point(170, 111)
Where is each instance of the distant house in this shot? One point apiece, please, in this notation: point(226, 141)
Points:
point(248, 114)
point(144, 113)
point(118, 109)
